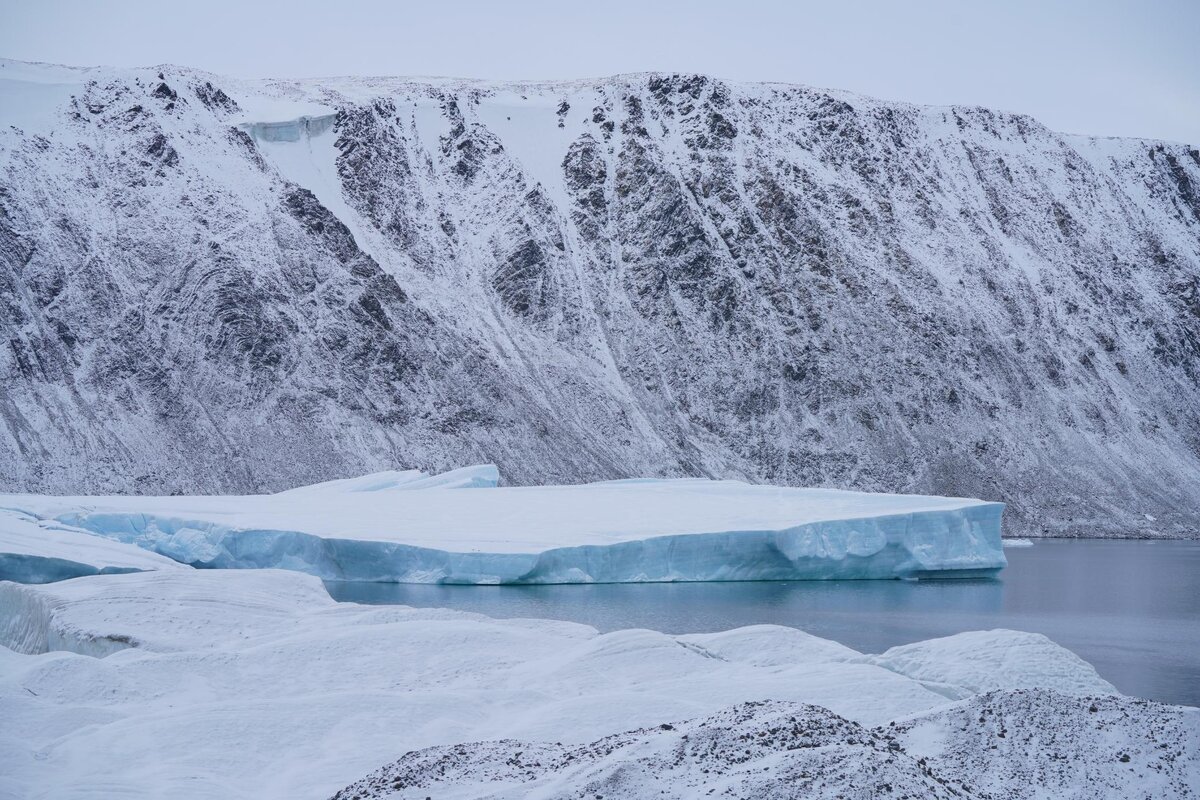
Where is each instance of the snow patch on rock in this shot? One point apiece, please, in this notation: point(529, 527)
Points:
point(1015, 744)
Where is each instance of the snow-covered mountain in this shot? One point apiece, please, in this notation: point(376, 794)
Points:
point(216, 285)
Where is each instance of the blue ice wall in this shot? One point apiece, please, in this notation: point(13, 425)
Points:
point(962, 542)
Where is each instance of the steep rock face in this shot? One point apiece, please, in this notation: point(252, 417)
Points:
point(643, 275)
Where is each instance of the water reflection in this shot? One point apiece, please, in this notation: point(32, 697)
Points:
point(1131, 608)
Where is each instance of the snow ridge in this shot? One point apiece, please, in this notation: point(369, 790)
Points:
point(1023, 743)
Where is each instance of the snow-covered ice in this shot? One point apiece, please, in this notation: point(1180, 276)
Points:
point(254, 683)
point(460, 527)
point(33, 551)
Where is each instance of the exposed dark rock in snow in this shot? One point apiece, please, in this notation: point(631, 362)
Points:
point(761, 750)
point(1039, 743)
point(1008, 744)
point(692, 278)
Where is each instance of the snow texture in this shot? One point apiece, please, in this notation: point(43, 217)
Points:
point(211, 285)
point(975, 662)
point(1040, 743)
point(255, 684)
point(1012, 744)
point(460, 527)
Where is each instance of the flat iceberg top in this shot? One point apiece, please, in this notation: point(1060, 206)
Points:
point(459, 511)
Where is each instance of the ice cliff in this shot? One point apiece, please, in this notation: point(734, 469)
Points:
point(460, 527)
point(44, 551)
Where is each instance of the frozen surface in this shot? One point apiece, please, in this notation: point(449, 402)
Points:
point(33, 551)
point(32, 95)
point(460, 527)
point(255, 684)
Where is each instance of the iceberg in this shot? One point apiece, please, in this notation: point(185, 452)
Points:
point(462, 527)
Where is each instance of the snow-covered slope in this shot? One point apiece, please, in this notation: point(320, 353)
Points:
point(211, 285)
point(254, 683)
point(1044, 744)
point(1009, 744)
point(459, 527)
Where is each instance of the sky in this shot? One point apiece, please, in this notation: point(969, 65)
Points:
point(1102, 67)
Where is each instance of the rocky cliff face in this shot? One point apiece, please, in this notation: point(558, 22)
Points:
point(211, 285)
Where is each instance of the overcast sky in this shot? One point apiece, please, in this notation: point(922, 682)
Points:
point(1086, 66)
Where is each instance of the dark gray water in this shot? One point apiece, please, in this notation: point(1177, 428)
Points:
point(1131, 608)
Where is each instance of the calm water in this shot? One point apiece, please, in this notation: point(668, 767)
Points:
point(1131, 608)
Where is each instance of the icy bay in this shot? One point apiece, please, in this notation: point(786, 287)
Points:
point(168, 680)
point(1131, 608)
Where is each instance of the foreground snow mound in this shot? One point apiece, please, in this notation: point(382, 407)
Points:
point(979, 661)
point(1013, 744)
point(33, 551)
point(160, 611)
point(254, 684)
point(410, 527)
point(759, 750)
